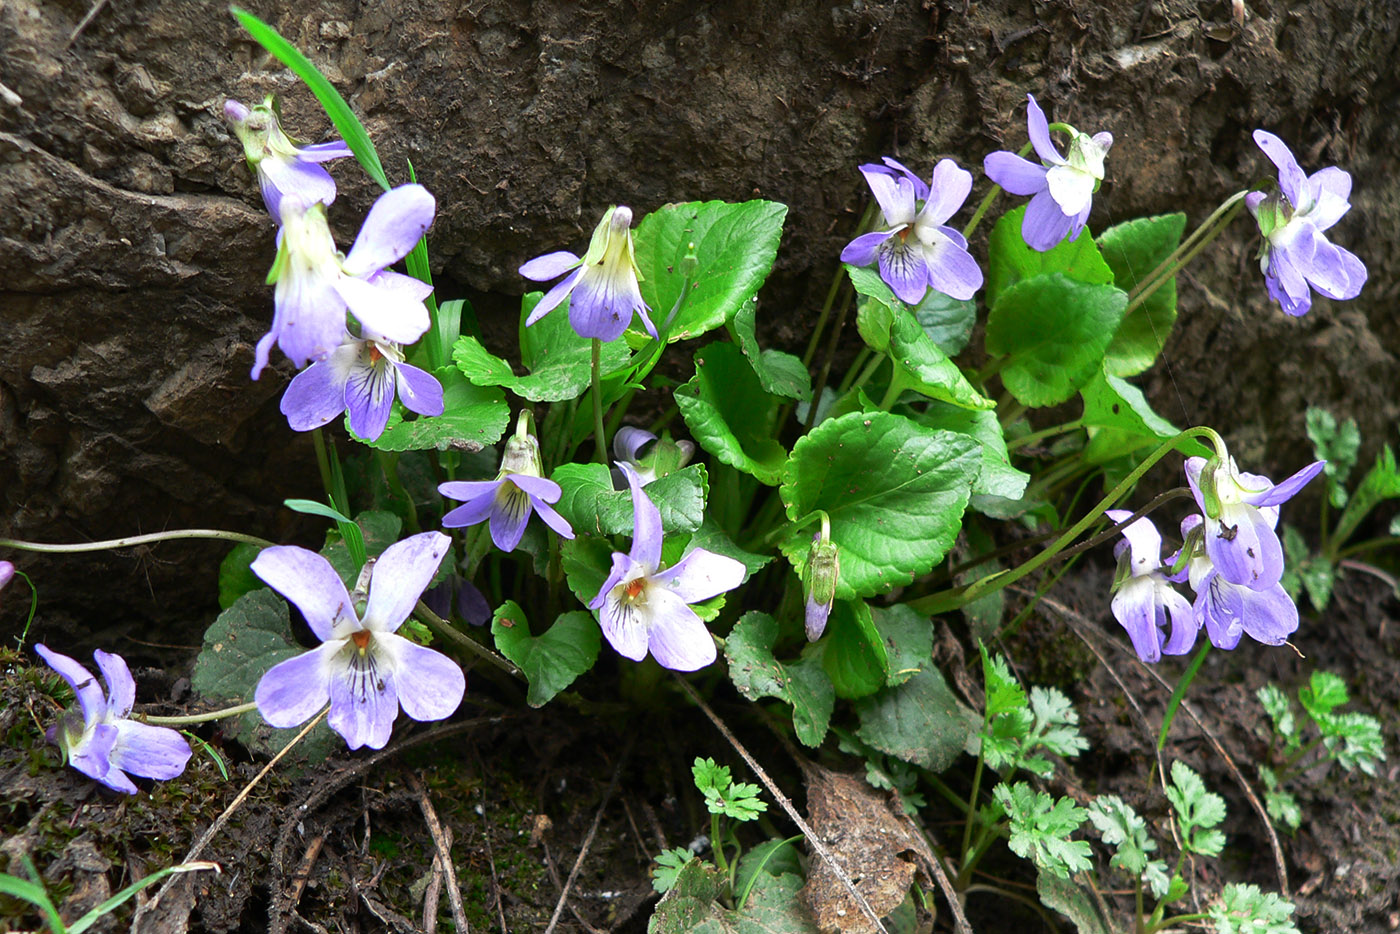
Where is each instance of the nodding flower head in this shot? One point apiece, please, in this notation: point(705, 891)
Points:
point(283, 166)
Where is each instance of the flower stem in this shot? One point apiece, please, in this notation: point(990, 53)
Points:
point(600, 435)
point(950, 600)
point(197, 717)
point(1179, 694)
point(445, 629)
point(1212, 227)
point(134, 540)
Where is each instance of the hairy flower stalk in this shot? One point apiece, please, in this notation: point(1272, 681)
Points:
point(99, 739)
point(282, 165)
point(1061, 187)
point(643, 608)
point(602, 287)
point(316, 284)
point(363, 668)
point(507, 501)
point(917, 251)
point(1296, 257)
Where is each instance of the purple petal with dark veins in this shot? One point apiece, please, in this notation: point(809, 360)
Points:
point(369, 396)
point(364, 703)
point(1044, 224)
point(904, 271)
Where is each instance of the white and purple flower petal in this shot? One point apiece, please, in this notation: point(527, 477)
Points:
point(293, 691)
point(149, 751)
point(677, 638)
point(308, 580)
point(400, 576)
point(437, 685)
point(395, 224)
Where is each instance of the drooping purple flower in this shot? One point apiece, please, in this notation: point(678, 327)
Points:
point(1061, 188)
point(363, 376)
point(643, 608)
point(7, 573)
point(917, 251)
point(602, 288)
point(819, 581)
point(1296, 255)
point(664, 456)
point(1241, 510)
point(98, 739)
point(362, 668)
point(283, 166)
point(518, 490)
point(1230, 610)
point(1144, 600)
point(316, 284)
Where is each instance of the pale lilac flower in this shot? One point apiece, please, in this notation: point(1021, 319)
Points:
point(1295, 254)
point(518, 490)
point(1229, 610)
point(315, 283)
point(7, 573)
point(283, 167)
point(664, 456)
point(1241, 511)
point(1062, 188)
point(362, 668)
point(363, 376)
point(603, 286)
point(1144, 600)
point(98, 739)
point(643, 608)
point(916, 250)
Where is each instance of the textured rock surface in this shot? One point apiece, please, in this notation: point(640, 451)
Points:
point(133, 245)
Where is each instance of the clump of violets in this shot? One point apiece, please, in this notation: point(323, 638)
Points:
point(1230, 556)
point(507, 501)
point(916, 251)
point(363, 668)
point(662, 455)
point(315, 284)
point(282, 165)
point(1297, 258)
point(643, 608)
point(363, 376)
point(602, 286)
point(99, 739)
point(1144, 601)
point(1061, 187)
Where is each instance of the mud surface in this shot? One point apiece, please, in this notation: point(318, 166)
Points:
point(133, 248)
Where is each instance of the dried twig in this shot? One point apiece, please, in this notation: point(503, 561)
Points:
point(813, 840)
point(490, 850)
point(444, 849)
point(83, 23)
point(935, 866)
point(432, 894)
point(222, 819)
point(588, 840)
point(1254, 802)
point(303, 873)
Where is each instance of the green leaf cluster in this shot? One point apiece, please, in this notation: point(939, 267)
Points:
point(1197, 811)
point(723, 795)
point(1121, 828)
point(1041, 827)
point(1015, 727)
point(1245, 909)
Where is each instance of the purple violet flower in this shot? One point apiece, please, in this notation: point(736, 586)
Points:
point(283, 166)
point(917, 251)
point(603, 286)
point(315, 283)
point(1241, 510)
point(98, 739)
point(1144, 600)
point(1229, 610)
point(663, 457)
point(361, 375)
point(642, 608)
point(518, 490)
point(822, 572)
point(1295, 254)
point(1062, 188)
point(363, 668)
point(7, 573)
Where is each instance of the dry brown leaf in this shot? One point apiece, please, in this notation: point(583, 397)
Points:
point(870, 842)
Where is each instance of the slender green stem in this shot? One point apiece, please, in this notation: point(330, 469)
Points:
point(1285, 772)
point(33, 608)
point(972, 810)
point(600, 435)
point(892, 392)
point(816, 337)
point(832, 346)
point(1210, 228)
point(1179, 694)
point(1060, 429)
point(1176, 921)
point(866, 364)
point(197, 717)
point(445, 629)
point(936, 602)
point(389, 464)
point(174, 535)
point(323, 461)
point(717, 845)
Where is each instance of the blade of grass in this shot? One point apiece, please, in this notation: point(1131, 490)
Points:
point(349, 125)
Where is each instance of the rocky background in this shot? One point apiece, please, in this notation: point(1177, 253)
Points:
point(133, 244)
